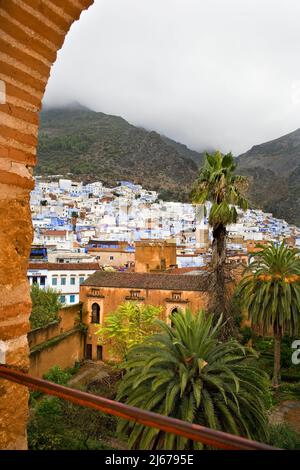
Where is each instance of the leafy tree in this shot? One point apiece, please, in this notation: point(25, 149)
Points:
point(185, 372)
point(218, 184)
point(45, 306)
point(270, 291)
point(129, 325)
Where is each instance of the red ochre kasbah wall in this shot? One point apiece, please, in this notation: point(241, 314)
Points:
point(31, 33)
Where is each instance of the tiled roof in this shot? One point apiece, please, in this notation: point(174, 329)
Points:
point(64, 266)
point(59, 233)
point(187, 270)
point(148, 281)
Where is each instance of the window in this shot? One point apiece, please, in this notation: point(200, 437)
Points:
point(111, 258)
point(95, 313)
point(135, 293)
point(72, 299)
point(63, 281)
point(63, 299)
point(73, 281)
point(43, 280)
point(95, 292)
point(81, 279)
point(176, 295)
point(54, 281)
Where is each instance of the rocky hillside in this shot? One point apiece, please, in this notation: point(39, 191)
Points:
point(95, 146)
point(274, 172)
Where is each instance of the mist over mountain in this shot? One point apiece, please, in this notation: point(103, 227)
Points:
point(273, 169)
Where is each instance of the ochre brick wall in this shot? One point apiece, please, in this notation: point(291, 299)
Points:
point(31, 33)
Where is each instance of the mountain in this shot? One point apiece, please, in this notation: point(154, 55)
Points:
point(273, 169)
point(185, 151)
point(96, 146)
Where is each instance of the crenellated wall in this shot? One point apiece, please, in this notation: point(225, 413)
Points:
point(31, 33)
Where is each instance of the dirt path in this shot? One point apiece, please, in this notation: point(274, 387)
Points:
point(287, 412)
point(89, 372)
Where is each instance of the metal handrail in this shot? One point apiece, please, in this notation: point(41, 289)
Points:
point(194, 432)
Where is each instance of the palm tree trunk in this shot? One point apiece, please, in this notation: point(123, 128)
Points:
point(219, 247)
point(218, 265)
point(219, 298)
point(277, 354)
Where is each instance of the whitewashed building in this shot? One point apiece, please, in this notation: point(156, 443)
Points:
point(64, 278)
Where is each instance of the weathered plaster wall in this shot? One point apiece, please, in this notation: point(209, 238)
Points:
point(31, 33)
point(63, 353)
point(154, 255)
point(69, 318)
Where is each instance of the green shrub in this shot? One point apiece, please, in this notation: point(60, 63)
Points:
point(57, 424)
point(57, 375)
point(34, 396)
point(45, 307)
point(73, 370)
point(48, 407)
point(42, 439)
point(287, 391)
point(283, 437)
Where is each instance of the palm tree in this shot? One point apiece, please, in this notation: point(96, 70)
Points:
point(270, 291)
point(218, 184)
point(185, 372)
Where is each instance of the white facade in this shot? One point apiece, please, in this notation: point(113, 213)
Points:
point(65, 281)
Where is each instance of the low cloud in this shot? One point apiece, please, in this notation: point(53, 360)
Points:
point(221, 74)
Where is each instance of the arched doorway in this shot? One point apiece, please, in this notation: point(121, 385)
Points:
point(174, 311)
point(30, 37)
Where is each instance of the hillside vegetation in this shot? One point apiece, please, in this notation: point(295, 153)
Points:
point(274, 172)
point(95, 146)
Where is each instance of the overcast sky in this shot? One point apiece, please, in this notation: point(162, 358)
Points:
point(208, 73)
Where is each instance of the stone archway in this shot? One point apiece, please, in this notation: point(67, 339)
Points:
point(31, 33)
